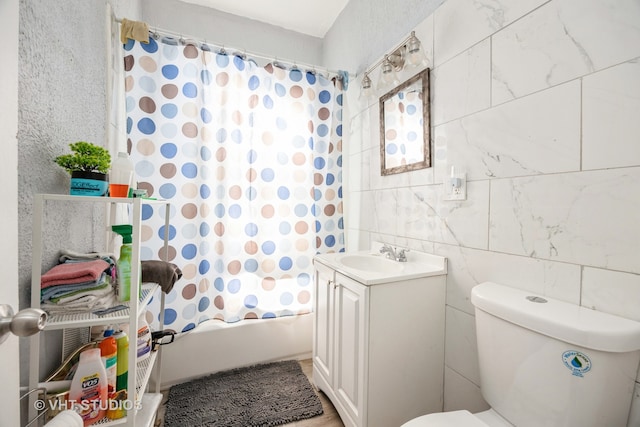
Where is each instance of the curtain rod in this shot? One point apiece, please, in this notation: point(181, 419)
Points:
point(286, 63)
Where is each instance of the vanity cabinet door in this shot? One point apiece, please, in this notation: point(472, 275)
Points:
point(351, 330)
point(323, 328)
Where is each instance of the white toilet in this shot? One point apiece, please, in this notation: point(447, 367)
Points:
point(545, 362)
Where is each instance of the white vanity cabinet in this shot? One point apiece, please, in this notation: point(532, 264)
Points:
point(349, 335)
point(378, 350)
point(323, 323)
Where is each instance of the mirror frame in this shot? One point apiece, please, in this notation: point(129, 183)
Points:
point(422, 77)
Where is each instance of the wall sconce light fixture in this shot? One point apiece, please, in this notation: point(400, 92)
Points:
point(408, 54)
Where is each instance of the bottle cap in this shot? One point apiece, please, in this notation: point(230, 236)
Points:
point(124, 230)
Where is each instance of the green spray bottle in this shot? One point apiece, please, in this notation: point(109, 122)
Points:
point(124, 262)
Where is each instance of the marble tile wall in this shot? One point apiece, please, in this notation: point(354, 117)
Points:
point(538, 101)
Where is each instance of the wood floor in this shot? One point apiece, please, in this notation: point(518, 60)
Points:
point(329, 418)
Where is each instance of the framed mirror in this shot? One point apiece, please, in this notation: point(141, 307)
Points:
point(405, 124)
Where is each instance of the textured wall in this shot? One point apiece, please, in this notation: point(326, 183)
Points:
point(537, 102)
point(62, 90)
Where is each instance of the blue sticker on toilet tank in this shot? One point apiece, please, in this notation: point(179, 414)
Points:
point(578, 362)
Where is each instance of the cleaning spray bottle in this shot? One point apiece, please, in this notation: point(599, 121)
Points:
point(89, 387)
point(124, 262)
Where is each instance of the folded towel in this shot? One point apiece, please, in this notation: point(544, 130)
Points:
point(67, 256)
point(73, 273)
point(81, 305)
point(98, 290)
point(60, 290)
point(163, 273)
point(135, 30)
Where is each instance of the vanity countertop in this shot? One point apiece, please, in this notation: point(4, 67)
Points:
point(373, 268)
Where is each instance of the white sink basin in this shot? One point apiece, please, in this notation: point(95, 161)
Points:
point(370, 267)
point(370, 263)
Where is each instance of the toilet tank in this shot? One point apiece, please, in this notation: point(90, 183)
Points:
point(545, 362)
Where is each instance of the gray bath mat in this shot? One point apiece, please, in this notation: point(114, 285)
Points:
point(263, 395)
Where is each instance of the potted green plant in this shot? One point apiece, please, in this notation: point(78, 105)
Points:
point(88, 167)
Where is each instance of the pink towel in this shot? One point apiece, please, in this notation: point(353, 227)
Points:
point(74, 272)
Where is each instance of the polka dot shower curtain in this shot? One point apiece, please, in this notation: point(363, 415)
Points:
point(250, 158)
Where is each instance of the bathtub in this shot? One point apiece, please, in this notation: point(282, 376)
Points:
point(215, 346)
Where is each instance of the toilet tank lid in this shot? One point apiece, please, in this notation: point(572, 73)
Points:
point(558, 319)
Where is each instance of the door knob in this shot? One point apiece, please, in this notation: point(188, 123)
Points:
point(26, 322)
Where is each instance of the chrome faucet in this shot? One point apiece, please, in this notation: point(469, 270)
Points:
point(388, 250)
point(402, 255)
point(391, 253)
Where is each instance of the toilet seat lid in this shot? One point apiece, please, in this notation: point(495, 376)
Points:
point(446, 419)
